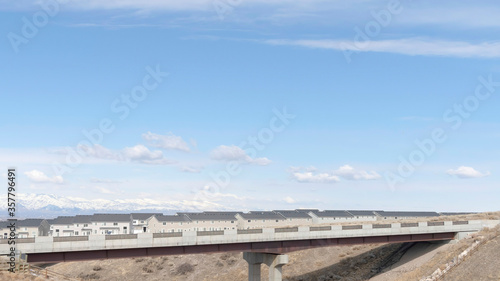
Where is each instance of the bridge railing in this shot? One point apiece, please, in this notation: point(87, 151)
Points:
point(49, 244)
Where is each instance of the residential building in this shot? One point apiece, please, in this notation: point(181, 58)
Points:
point(295, 218)
point(260, 220)
point(112, 223)
point(208, 221)
point(383, 215)
point(32, 228)
point(62, 226)
point(82, 225)
point(140, 221)
point(363, 215)
point(162, 224)
point(330, 216)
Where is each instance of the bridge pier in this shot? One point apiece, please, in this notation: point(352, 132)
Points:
point(274, 261)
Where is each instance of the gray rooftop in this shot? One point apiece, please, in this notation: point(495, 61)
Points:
point(64, 220)
point(210, 216)
point(293, 214)
point(456, 213)
point(364, 213)
point(29, 222)
point(82, 219)
point(111, 218)
point(4, 224)
point(180, 218)
point(223, 213)
point(407, 214)
point(333, 214)
point(262, 216)
point(144, 216)
point(307, 210)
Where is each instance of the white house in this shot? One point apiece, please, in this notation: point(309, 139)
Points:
point(295, 218)
point(112, 223)
point(363, 215)
point(162, 224)
point(383, 215)
point(62, 226)
point(208, 221)
point(140, 221)
point(28, 228)
point(256, 219)
point(330, 216)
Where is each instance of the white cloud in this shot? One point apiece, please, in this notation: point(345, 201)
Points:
point(466, 173)
point(169, 141)
point(310, 174)
point(289, 200)
point(409, 46)
point(106, 181)
point(172, 5)
point(211, 194)
point(310, 177)
point(478, 16)
point(349, 173)
point(236, 153)
point(191, 169)
point(138, 153)
point(40, 177)
point(142, 154)
point(103, 190)
point(99, 151)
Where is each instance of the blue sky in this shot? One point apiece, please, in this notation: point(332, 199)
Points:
point(335, 95)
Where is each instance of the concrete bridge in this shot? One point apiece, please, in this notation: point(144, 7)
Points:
point(267, 245)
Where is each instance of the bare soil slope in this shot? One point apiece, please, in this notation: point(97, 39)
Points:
point(304, 265)
point(482, 265)
point(414, 258)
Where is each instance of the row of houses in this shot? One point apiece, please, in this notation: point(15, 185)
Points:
point(110, 224)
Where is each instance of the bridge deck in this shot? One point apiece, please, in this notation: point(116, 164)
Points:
point(267, 240)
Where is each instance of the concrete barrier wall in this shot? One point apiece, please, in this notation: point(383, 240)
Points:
point(147, 240)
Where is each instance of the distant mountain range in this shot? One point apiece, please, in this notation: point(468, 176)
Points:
point(49, 206)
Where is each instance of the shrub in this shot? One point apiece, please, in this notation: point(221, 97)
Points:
point(184, 269)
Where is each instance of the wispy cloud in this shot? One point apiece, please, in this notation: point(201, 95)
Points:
point(349, 173)
point(169, 5)
point(105, 181)
point(138, 153)
point(191, 169)
point(409, 46)
point(168, 141)
point(468, 15)
point(142, 154)
point(310, 175)
point(236, 153)
point(464, 172)
point(40, 177)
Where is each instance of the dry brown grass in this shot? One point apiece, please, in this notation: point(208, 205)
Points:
point(7, 276)
point(443, 257)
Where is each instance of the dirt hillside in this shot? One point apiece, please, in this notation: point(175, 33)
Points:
point(330, 263)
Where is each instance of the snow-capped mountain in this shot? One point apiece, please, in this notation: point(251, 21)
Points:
point(45, 205)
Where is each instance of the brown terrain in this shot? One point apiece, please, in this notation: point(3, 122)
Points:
point(374, 262)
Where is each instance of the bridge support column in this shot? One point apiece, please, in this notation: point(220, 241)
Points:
point(275, 263)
